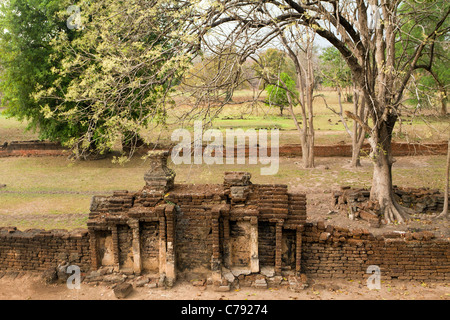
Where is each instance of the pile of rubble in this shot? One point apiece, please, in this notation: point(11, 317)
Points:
point(356, 203)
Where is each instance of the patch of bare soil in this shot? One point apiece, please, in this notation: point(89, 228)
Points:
point(26, 286)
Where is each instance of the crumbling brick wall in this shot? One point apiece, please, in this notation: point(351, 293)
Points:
point(193, 234)
point(201, 228)
point(149, 246)
point(327, 252)
point(47, 148)
point(39, 250)
point(356, 203)
point(266, 243)
point(32, 148)
point(335, 252)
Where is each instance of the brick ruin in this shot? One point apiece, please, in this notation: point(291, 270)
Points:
point(32, 148)
point(234, 228)
point(356, 204)
point(234, 234)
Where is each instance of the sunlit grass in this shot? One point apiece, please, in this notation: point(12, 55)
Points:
point(12, 129)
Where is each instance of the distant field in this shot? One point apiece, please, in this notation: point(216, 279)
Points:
point(328, 126)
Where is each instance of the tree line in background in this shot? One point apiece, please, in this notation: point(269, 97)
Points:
point(117, 70)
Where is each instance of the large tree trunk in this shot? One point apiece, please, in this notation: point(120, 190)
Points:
point(381, 190)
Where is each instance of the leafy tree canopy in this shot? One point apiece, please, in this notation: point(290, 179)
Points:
point(277, 94)
point(334, 69)
point(104, 81)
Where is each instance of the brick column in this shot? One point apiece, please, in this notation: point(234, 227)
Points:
point(170, 247)
point(95, 263)
point(162, 245)
point(215, 242)
point(226, 242)
point(216, 265)
point(278, 238)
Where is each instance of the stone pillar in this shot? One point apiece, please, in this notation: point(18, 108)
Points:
point(226, 241)
point(136, 245)
point(216, 266)
point(278, 239)
point(115, 248)
point(159, 177)
point(162, 245)
point(237, 186)
point(298, 251)
point(170, 248)
point(254, 258)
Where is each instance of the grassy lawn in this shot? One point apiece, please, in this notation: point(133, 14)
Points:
point(329, 127)
point(12, 129)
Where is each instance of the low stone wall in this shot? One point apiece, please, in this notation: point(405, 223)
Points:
point(32, 148)
point(334, 252)
point(345, 150)
point(327, 252)
point(39, 250)
point(46, 148)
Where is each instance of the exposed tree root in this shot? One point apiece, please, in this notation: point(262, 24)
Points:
point(443, 215)
point(395, 213)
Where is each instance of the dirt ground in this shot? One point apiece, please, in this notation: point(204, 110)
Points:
point(26, 286)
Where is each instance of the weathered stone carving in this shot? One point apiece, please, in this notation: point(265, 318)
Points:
point(159, 177)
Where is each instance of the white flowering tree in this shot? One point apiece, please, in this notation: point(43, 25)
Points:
point(117, 64)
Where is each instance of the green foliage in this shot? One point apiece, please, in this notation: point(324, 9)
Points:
point(432, 82)
point(26, 29)
point(121, 67)
point(334, 69)
point(99, 84)
point(277, 95)
point(272, 63)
